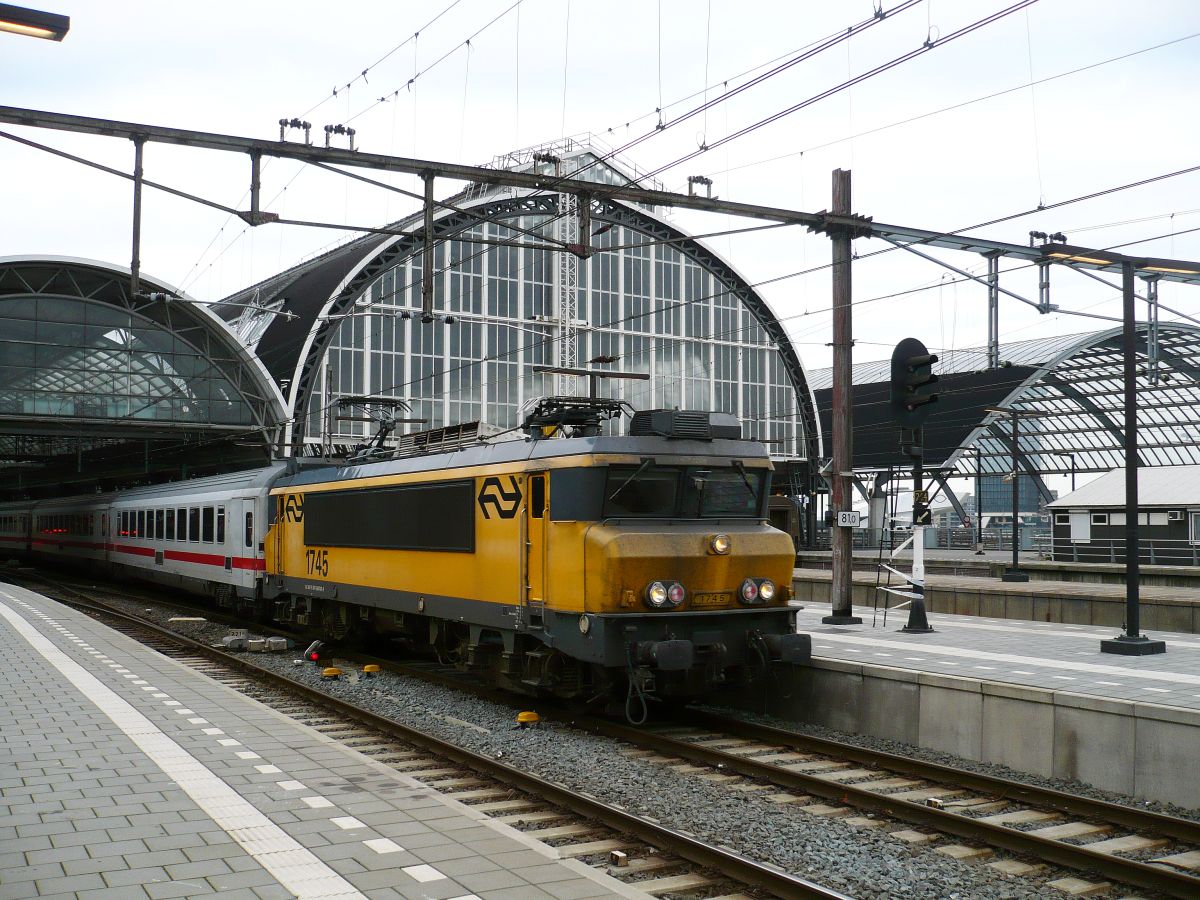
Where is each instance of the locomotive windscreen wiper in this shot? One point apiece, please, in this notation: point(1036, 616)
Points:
point(740, 468)
point(646, 463)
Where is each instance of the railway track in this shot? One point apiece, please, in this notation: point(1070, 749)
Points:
point(864, 787)
point(1127, 845)
point(868, 788)
point(646, 854)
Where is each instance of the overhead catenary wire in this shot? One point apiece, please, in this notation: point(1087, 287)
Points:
point(550, 339)
point(956, 106)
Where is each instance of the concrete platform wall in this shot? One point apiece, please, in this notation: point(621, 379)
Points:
point(1139, 749)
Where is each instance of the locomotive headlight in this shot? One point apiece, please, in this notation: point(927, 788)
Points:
point(720, 544)
point(656, 594)
point(585, 624)
point(749, 592)
point(766, 589)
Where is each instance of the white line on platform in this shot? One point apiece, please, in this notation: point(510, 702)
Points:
point(294, 866)
point(1178, 640)
point(1179, 677)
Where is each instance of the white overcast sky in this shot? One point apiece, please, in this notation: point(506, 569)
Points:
point(925, 146)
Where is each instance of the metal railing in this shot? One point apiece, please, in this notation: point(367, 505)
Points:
point(1032, 538)
point(1153, 551)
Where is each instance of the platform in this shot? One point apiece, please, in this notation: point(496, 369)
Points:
point(124, 774)
point(1038, 697)
point(1163, 607)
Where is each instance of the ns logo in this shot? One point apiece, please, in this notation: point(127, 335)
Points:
point(293, 508)
point(496, 496)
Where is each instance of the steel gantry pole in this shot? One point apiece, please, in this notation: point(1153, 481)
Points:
point(135, 263)
point(841, 539)
point(1132, 642)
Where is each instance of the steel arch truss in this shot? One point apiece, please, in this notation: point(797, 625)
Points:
point(192, 375)
point(1075, 409)
point(509, 206)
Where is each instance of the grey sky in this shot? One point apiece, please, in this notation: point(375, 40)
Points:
point(239, 67)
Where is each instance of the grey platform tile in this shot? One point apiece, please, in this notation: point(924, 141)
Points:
point(70, 884)
point(526, 892)
point(135, 833)
point(518, 859)
point(171, 857)
point(145, 875)
point(238, 894)
point(436, 853)
point(170, 842)
point(236, 881)
point(468, 865)
point(28, 873)
point(580, 889)
point(221, 850)
point(368, 860)
point(27, 844)
point(61, 854)
point(544, 874)
point(178, 889)
point(478, 883)
point(117, 848)
point(84, 822)
point(125, 892)
point(35, 829)
point(273, 892)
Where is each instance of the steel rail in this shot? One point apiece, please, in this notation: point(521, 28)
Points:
point(1072, 856)
point(738, 867)
point(1169, 881)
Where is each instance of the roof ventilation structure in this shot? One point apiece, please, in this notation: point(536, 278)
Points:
point(683, 424)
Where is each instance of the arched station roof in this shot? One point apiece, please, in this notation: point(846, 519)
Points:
point(1072, 388)
point(87, 365)
point(323, 292)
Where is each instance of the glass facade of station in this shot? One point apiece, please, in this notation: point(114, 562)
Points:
point(648, 304)
point(74, 358)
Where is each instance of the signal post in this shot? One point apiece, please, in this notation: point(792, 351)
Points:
point(911, 401)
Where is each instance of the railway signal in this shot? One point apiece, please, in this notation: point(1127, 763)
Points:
point(912, 383)
point(314, 651)
point(912, 399)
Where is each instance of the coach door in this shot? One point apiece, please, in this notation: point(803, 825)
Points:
point(536, 509)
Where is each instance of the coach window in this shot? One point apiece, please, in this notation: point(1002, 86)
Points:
point(249, 529)
point(208, 524)
point(169, 533)
point(181, 529)
point(194, 524)
point(160, 530)
point(220, 525)
point(140, 530)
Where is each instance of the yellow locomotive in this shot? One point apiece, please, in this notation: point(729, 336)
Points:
point(585, 566)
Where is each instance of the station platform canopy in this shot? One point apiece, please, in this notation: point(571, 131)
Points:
point(99, 386)
point(1070, 386)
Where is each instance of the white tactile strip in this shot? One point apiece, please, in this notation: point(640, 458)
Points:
point(251, 829)
point(293, 865)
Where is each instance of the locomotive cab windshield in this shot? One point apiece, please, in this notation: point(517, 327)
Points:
point(690, 492)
